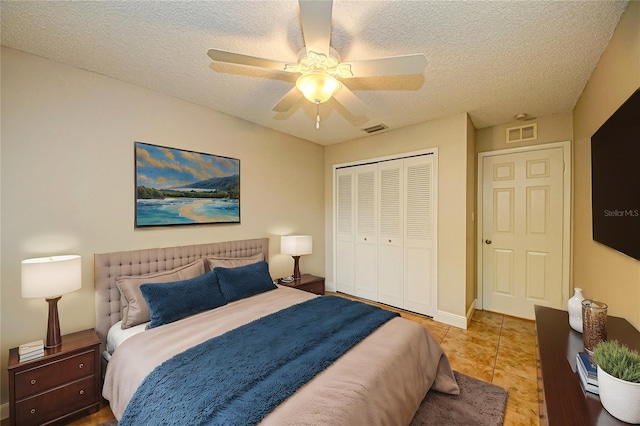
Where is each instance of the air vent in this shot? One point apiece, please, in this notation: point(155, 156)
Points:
point(522, 133)
point(376, 128)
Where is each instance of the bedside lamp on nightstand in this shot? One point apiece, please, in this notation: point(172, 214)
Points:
point(50, 277)
point(296, 246)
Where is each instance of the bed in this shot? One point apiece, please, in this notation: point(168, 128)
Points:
point(382, 379)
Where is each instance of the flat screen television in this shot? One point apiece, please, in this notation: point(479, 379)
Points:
point(615, 179)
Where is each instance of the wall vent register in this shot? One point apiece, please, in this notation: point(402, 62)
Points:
point(527, 132)
point(377, 128)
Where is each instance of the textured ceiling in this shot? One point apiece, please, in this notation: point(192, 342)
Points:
point(490, 59)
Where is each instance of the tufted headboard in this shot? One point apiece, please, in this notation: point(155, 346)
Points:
point(108, 266)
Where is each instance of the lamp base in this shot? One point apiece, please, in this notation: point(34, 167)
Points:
point(296, 268)
point(53, 325)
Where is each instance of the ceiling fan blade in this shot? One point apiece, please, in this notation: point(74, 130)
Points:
point(350, 101)
point(238, 58)
point(288, 100)
point(316, 25)
point(393, 65)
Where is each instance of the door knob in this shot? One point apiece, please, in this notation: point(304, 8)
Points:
point(487, 241)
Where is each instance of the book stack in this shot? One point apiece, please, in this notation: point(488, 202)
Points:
point(31, 350)
point(587, 372)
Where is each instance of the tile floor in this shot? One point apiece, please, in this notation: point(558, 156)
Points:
point(498, 349)
point(495, 348)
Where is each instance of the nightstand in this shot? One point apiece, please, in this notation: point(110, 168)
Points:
point(64, 382)
point(307, 282)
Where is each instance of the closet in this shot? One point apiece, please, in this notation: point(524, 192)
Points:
point(385, 231)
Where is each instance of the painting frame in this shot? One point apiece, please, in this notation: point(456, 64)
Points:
point(178, 187)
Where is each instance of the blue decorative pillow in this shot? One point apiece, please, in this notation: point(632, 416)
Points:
point(169, 302)
point(244, 281)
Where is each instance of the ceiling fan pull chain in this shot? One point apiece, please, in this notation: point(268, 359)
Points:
point(317, 115)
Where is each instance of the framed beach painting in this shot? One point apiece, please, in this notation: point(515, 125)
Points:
point(180, 187)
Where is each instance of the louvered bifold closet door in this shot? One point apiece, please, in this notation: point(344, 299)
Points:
point(386, 231)
point(419, 243)
point(366, 283)
point(345, 230)
point(390, 230)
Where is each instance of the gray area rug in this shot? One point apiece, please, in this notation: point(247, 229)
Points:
point(479, 404)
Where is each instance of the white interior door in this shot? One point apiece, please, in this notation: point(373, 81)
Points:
point(522, 231)
point(366, 277)
point(390, 247)
point(345, 248)
point(385, 222)
point(420, 281)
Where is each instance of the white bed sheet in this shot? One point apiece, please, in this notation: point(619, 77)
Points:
point(117, 335)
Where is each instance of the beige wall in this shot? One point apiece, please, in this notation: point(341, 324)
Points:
point(68, 185)
point(551, 128)
point(449, 135)
point(603, 273)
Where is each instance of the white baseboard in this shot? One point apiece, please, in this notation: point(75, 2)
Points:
point(478, 304)
point(470, 312)
point(440, 316)
point(4, 411)
point(451, 319)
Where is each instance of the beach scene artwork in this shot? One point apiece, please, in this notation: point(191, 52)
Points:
point(179, 187)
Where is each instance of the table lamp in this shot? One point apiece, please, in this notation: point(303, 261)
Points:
point(50, 277)
point(296, 246)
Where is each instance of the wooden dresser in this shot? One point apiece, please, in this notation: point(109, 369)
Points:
point(562, 400)
point(64, 382)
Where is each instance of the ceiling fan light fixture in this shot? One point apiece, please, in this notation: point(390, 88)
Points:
point(317, 87)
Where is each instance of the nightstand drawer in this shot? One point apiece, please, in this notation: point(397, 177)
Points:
point(307, 282)
point(317, 287)
point(51, 405)
point(50, 375)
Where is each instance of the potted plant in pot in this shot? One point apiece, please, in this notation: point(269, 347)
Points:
point(619, 380)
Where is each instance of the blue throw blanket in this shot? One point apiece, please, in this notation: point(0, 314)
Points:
point(241, 376)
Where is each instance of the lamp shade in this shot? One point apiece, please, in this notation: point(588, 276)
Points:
point(51, 276)
point(296, 245)
point(317, 87)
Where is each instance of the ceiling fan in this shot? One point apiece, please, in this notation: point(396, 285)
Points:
point(319, 64)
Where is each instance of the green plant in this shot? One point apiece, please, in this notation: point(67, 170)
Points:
point(618, 360)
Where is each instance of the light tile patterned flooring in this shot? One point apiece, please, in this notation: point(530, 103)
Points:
point(498, 349)
point(495, 348)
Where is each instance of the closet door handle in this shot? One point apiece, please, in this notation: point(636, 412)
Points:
point(487, 241)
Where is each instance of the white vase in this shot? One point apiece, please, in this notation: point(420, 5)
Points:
point(574, 306)
point(620, 398)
